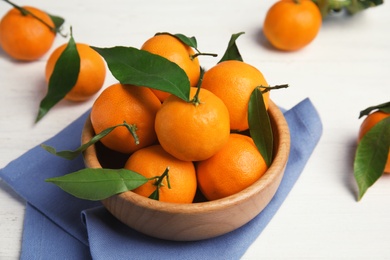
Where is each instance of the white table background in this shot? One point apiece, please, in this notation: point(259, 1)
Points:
point(345, 69)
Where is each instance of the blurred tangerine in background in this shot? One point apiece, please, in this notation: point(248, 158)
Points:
point(290, 25)
point(24, 37)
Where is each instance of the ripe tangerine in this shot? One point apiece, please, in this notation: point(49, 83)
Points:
point(24, 37)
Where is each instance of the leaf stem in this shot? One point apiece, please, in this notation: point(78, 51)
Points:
point(156, 194)
point(202, 54)
point(133, 131)
point(161, 178)
point(265, 89)
point(25, 12)
point(195, 100)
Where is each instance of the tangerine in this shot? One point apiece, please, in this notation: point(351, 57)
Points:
point(176, 51)
point(234, 81)
point(91, 75)
point(137, 106)
point(233, 168)
point(371, 120)
point(193, 131)
point(152, 161)
point(290, 25)
point(23, 36)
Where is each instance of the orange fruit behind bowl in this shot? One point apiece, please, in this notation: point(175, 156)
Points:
point(290, 25)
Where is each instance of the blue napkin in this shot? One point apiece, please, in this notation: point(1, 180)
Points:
point(60, 226)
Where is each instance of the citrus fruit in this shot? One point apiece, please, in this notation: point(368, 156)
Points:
point(234, 81)
point(371, 120)
point(233, 168)
point(176, 51)
point(91, 75)
point(152, 161)
point(290, 25)
point(24, 37)
point(193, 131)
point(137, 106)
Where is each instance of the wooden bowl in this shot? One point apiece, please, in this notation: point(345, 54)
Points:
point(199, 220)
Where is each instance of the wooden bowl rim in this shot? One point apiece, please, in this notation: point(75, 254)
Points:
point(278, 165)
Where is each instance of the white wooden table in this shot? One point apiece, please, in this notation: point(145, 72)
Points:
point(346, 69)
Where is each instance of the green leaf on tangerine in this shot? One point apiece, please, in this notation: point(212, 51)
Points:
point(141, 68)
point(260, 126)
point(371, 155)
point(385, 107)
point(155, 194)
point(58, 21)
point(232, 52)
point(189, 41)
point(63, 78)
point(98, 184)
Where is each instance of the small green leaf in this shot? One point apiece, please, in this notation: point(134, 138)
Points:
point(63, 78)
point(141, 68)
point(385, 107)
point(155, 194)
point(232, 52)
point(98, 184)
point(190, 41)
point(260, 126)
point(58, 21)
point(70, 155)
point(371, 155)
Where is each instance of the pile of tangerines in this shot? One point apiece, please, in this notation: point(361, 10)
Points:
point(200, 140)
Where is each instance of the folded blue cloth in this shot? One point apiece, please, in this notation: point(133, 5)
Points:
point(60, 226)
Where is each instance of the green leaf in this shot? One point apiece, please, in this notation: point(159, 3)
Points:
point(352, 7)
point(70, 155)
point(98, 184)
point(385, 107)
point(190, 41)
point(155, 194)
point(58, 21)
point(63, 78)
point(260, 126)
point(232, 52)
point(141, 68)
point(371, 155)
point(358, 6)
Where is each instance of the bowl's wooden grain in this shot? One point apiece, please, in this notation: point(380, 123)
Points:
point(202, 220)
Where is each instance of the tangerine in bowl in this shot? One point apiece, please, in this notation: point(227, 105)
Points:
point(201, 219)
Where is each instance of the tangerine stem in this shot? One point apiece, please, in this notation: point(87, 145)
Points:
point(26, 12)
point(195, 100)
point(203, 54)
point(133, 131)
point(269, 88)
point(161, 178)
